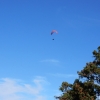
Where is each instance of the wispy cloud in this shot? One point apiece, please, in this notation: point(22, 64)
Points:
point(11, 89)
point(50, 60)
point(65, 75)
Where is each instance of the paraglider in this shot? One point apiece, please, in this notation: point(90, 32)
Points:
point(54, 31)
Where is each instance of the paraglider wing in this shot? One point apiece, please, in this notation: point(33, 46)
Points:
point(53, 31)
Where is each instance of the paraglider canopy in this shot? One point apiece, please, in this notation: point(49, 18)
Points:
point(53, 31)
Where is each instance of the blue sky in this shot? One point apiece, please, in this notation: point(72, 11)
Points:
point(32, 65)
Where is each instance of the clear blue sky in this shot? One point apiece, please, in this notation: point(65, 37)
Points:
point(32, 65)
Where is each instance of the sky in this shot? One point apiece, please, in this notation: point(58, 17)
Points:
point(32, 65)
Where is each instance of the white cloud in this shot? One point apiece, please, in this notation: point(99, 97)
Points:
point(50, 60)
point(11, 89)
point(65, 75)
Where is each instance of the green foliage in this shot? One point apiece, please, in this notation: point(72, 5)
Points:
point(84, 90)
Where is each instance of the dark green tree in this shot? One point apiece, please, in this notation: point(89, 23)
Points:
point(86, 87)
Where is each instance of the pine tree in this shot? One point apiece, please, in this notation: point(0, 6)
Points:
point(86, 87)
